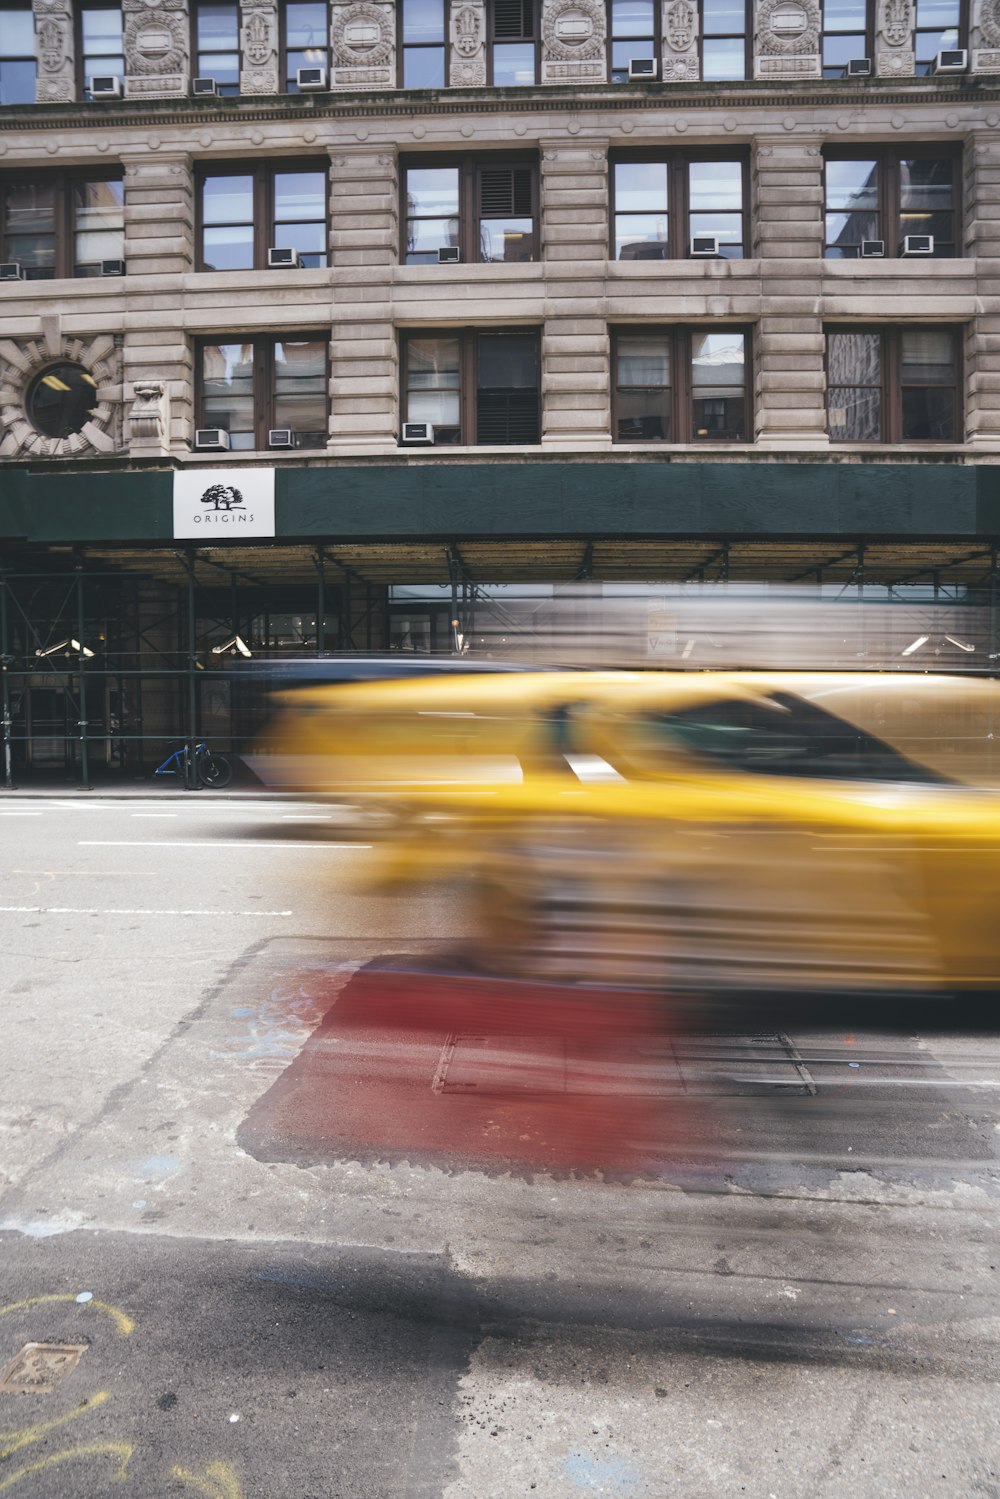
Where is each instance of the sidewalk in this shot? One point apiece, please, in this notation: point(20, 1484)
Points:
point(145, 790)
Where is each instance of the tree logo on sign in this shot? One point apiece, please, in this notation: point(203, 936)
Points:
point(223, 497)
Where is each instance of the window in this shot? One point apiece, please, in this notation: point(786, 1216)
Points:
point(61, 225)
point(513, 51)
point(305, 39)
point(61, 400)
point(724, 32)
point(941, 26)
point(216, 43)
point(243, 213)
point(17, 54)
point(633, 32)
point(473, 387)
point(485, 207)
point(250, 386)
point(847, 34)
point(660, 201)
point(680, 385)
point(888, 194)
point(892, 384)
point(100, 45)
point(424, 50)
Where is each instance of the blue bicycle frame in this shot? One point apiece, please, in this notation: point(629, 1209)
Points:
point(173, 765)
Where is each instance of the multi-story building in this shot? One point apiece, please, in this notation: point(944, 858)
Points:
point(303, 303)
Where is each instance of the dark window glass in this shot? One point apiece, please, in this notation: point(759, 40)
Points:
point(928, 384)
point(61, 400)
point(251, 386)
point(892, 385)
point(17, 55)
point(244, 214)
point(507, 388)
point(424, 37)
point(472, 387)
point(306, 39)
point(723, 40)
point(61, 225)
point(644, 392)
point(887, 196)
point(680, 385)
point(659, 205)
point(101, 44)
point(513, 50)
point(217, 43)
point(484, 207)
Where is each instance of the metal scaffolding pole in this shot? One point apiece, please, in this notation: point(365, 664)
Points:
point(320, 602)
point(192, 676)
point(81, 678)
point(8, 764)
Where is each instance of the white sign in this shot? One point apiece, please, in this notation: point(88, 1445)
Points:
point(223, 504)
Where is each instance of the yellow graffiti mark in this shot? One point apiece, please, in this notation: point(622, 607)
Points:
point(13, 1441)
point(219, 1481)
point(120, 1450)
point(122, 1320)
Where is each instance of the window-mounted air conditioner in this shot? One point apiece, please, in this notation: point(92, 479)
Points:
point(204, 88)
point(281, 437)
point(704, 246)
point(310, 78)
point(449, 255)
point(211, 439)
point(112, 267)
point(12, 270)
point(917, 244)
point(641, 67)
point(954, 61)
point(105, 86)
point(860, 67)
point(282, 258)
point(872, 249)
point(418, 432)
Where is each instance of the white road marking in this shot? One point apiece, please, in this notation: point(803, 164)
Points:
point(126, 911)
point(5, 813)
point(154, 814)
point(214, 843)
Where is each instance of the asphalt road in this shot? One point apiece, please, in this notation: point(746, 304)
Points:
point(795, 1293)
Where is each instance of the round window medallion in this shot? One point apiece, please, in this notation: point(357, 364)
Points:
point(61, 400)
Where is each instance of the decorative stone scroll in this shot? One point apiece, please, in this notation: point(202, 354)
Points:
point(149, 419)
point(894, 55)
point(986, 37)
point(574, 41)
point(259, 47)
point(786, 41)
point(363, 37)
point(467, 64)
point(22, 359)
point(156, 49)
point(680, 42)
point(56, 79)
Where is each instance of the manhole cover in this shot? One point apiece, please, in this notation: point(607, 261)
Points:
point(38, 1367)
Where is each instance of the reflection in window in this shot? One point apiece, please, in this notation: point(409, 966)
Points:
point(854, 386)
point(61, 400)
point(306, 39)
point(938, 29)
point(227, 392)
point(717, 386)
point(846, 35)
point(715, 199)
point(641, 210)
point(243, 214)
point(300, 400)
point(680, 385)
point(474, 387)
point(513, 44)
point(251, 386)
point(702, 196)
point(432, 385)
point(101, 44)
point(723, 40)
point(60, 226)
point(892, 385)
point(483, 207)
point(17, 54)
point(98, 209)
point(217, 43)
point(644, 397)
point(634, 34)
point(888, 195)
point(424, 39)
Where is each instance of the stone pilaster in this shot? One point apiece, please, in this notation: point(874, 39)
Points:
point(790, 381)
point(574, 41)
point(157, 61)
point(680, 41)
point(982, 240)
point(894, 53)
point(259, 47)
point(159, 214)
point(363, 45)
point(984, 39)
point(467, 63)
point(364, 206)
point(787, 39)
point(54, 38)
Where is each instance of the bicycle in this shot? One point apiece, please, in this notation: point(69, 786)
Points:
point(212, 770)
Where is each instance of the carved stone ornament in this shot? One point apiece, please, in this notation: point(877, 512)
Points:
point(897, 22)
point(573, 30)
point(467, 27)
point(680, 22)
point(788, 27)
point(23, 358)
point(51, 35)
point(258, 40)
point(681, 69)
point(362, 36)
point(155, 42)
point(989, 22)
point(148, 416)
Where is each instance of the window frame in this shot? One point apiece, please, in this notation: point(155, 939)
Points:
point(263, 379)
point(10, 5)
point(891, 385)
point(64, 218)
point(283, 78)
point(869, 39)
point(963, 35)
point(263, 174)
point(492, 39)
point(888, 157)
point(402, 47)
point(468, 372)
point(657, 35)
point(469, 165)
point(748, 33)
point(682, 384)
point(679, 192)
point(195, 50)
point(81, 69)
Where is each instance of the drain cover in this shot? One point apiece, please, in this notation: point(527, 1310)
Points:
point(38, 1368)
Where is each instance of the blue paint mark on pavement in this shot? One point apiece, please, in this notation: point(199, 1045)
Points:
point(157, 1165)
point(601, 1475)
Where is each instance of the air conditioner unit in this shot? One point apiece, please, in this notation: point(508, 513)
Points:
point(956, 61)
point(449, 255)
point(872, 249)
point(281, 437)
point(12, 270)
point(281, 258)
point(641, 67)
point(917, 244)
point(211, 439)
point(421, 432)
point(112, 267)
point(105, 87)
point(704, 246)
point(309, 78)
point(204, 88)
point(860, 67)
